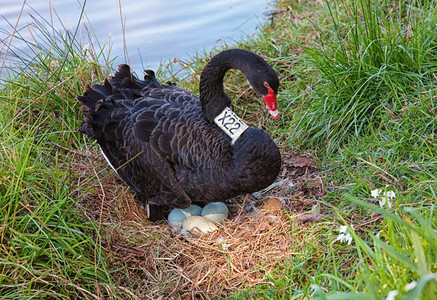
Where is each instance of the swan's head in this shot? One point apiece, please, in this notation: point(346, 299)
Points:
point(258, 72)
point(265, 81)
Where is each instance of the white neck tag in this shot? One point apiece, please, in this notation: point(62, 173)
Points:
point(230, 123)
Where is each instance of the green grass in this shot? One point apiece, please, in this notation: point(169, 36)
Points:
point(365, 107)
point(49, 249)
point(358, 93)
point(375, 58)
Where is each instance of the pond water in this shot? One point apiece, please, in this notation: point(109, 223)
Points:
point(155, 31)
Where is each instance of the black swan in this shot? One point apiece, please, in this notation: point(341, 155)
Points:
point(174, 148)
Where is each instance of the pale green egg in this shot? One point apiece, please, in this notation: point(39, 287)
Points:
point(177, 215)
point(215, 211)
point(193, 209)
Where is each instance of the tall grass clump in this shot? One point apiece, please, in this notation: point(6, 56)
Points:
point(374, 58)
point(48, 247)
point(397, 259)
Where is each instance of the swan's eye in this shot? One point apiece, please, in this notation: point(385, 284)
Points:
point(269, 89)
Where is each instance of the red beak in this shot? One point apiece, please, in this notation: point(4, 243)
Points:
point(270, 101)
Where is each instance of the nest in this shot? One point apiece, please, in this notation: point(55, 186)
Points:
point(155, 262)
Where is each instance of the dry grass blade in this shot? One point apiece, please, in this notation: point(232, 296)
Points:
point(12, 36)
point(383, 171)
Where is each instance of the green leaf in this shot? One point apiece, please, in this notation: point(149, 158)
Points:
point(396, 255)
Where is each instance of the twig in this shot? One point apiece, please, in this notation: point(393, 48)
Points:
point(429, 91)
point(69, 150)
point(384, 171)
point(378, 217)
point(132, 250)
point(312, 217)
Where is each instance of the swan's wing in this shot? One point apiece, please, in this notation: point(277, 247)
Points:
point(199, 154)
point(122, 124)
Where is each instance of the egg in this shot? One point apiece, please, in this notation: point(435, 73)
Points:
point(199, 224)
point(193, 209)
point(215, 211)
point(177, 215)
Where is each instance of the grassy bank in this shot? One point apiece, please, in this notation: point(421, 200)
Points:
point(358, 96)
point(49, 247)
point(363, 101)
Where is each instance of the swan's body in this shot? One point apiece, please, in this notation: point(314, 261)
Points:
point(163, 140)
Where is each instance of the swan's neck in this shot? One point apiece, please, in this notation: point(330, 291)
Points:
point(211, 93)
point(260, 75)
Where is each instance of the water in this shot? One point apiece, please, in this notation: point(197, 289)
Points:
point(155, 31)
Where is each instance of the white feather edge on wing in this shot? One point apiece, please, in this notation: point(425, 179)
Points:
point(146, 208)
point(107, 160)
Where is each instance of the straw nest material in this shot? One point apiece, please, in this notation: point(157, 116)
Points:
point(153, 261)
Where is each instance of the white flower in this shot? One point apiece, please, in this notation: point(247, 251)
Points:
point(343, 229)
point(386, 198)
point(390, 194)
point(345, 237)
point(410, 286)
point(375, 193)
point(382, 202)
point(392, 295)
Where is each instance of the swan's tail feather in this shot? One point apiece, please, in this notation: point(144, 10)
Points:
point(99, 100)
